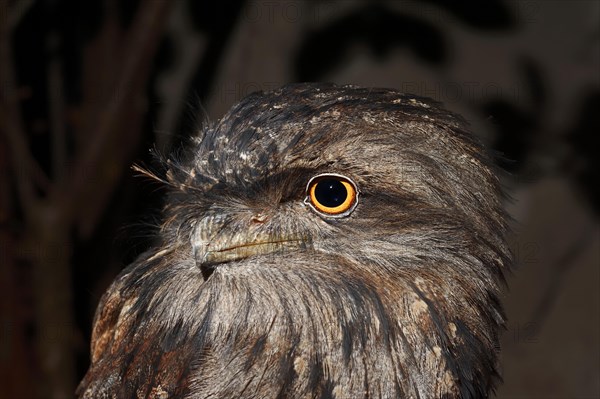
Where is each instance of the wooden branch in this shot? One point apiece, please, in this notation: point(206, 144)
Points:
point(15, 348)
point(18, 11)
point(22, 163)
point(105, 140)
point(56, 102)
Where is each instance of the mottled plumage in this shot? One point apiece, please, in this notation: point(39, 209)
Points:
point(252, 293)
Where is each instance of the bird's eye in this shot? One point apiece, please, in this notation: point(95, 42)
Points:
point(332, 194)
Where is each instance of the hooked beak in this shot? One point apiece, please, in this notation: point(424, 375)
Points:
point(230, 244)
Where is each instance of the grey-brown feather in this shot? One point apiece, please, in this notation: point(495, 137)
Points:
point(399, 299)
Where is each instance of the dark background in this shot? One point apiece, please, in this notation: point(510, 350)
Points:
point(87, 88)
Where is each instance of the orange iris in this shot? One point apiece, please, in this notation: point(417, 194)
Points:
point(332, 194)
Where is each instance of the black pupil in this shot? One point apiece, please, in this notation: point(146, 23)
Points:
point(330, 193)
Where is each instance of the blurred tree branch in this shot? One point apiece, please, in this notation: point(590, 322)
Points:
point(10, 113)
point(78, 198)
point(77, 194)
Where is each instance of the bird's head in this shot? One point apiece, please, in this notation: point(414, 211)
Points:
point(335, 239)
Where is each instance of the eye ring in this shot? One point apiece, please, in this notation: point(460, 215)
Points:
point(331, 194)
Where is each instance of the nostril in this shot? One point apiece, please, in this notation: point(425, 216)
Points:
point(259, 218)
